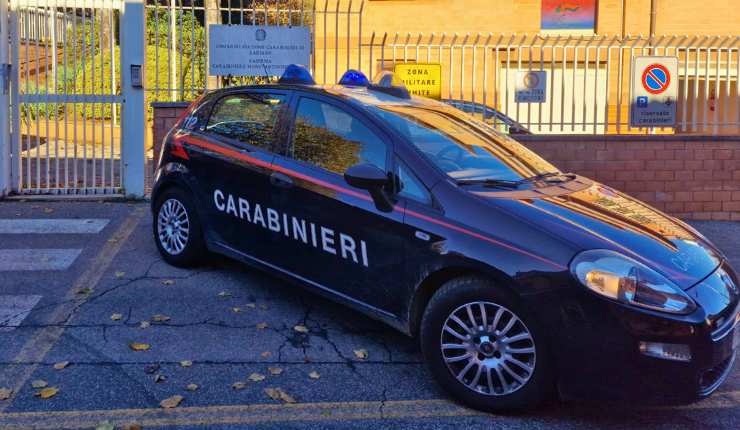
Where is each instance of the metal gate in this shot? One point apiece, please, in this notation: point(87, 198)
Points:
point(66, 101)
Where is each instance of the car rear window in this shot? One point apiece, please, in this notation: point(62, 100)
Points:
point(247, 118)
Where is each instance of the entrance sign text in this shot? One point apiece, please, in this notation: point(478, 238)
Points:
point(248, 50)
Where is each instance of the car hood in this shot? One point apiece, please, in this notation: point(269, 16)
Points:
point(594, 216)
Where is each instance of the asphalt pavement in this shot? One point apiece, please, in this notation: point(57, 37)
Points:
point(97, 331)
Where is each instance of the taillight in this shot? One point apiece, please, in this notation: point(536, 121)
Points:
point(177, 150)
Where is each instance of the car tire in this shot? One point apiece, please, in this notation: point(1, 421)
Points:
point(177, 229)
point(516, 337)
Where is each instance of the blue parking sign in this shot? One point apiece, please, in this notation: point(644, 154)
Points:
point(642, 101)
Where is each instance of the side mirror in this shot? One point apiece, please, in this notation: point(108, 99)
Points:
point(372, 179)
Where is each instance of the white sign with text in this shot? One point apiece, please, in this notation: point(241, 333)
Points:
point(248, 50)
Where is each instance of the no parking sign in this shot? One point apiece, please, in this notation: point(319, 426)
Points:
point(654, 91)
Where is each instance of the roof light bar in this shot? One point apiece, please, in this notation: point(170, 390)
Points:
point(297, 74)
point(389, 83)
point(354, 78)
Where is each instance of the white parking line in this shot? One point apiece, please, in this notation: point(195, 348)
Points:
point(52, 226)
point(37, 259)
point(14, 309)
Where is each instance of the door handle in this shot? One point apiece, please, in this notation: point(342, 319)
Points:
point(281, 180)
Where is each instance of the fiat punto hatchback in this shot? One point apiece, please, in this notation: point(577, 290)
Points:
point(518, 279)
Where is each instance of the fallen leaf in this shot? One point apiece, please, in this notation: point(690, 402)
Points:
point(224, 294)
point(186, 363)
point(261, 326)
point(39, 383)
point(139, 346)
point(159, 378)
point(263, 307)
point(266, 354)
point(48, 210)
point(151, 368)
point(61, 365)
point(236, 310)
point(105, 425)
point(168, 282)
point(116, 317)
point(361, 353)
point(275, 370)
point(133, 427)
point(5, 393)
point(256, 377)
point(251, 305)
point(314, 375)
point(86, 290)
point(192, 387)
point(238, 385)
point(47, 393)
point(112, 240)
point(144, 324)
point(171, 402)
point(119, 275)
point(160, 318)
point(279, 394)
point(300, 328)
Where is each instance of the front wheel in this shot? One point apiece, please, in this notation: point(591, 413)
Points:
point(177, 229)
point(484, 348)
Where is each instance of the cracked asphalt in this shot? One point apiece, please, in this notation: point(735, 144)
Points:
point(227, 322)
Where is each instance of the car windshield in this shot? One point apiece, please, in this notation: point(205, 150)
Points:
point(463, 147)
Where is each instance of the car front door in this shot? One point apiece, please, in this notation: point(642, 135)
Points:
point(231, 158)
point(335, 237)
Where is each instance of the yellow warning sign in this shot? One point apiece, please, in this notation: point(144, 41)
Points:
point(423, 80)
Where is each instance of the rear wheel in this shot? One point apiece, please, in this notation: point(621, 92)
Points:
point(483, 347)
point(177, 229)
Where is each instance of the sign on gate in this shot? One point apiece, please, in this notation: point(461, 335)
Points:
point(248, 50)
point(654, 91)
point(423, 80)
point(530, 86)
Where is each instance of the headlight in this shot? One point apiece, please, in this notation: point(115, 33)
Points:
point(623, 279)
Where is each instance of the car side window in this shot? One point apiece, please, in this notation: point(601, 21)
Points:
point(409, 186)
point(248, 118)
point(333, 139)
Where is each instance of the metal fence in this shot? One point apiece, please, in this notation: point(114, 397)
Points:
point(46, 24)
point(177, 37)
point(65, 96)
point(588, 77)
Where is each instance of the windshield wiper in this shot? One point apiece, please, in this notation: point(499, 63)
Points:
point(545, 175)
point(504, 183)
point(489, 182)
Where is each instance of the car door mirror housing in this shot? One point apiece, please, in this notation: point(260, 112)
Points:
point(372, 179)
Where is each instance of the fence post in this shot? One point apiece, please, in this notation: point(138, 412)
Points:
point(4, 101)
point(133, 117)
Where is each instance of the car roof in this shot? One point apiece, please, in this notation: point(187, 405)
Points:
point(363, 96)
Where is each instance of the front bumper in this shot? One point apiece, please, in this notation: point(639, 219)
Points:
point(597, 342)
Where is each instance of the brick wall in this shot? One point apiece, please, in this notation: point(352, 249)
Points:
point(693, 177)
point(164, 117)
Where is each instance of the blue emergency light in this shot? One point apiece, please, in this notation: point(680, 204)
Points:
point(389, 83)
point(354, 78)
point(297, 74)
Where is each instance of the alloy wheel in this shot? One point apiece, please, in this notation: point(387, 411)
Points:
point(488, 348)
point(173, 226)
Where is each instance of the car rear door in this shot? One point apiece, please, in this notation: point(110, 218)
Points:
point(336, 238)
point(231, 157)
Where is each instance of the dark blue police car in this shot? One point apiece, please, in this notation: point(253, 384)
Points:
point(517, 278)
